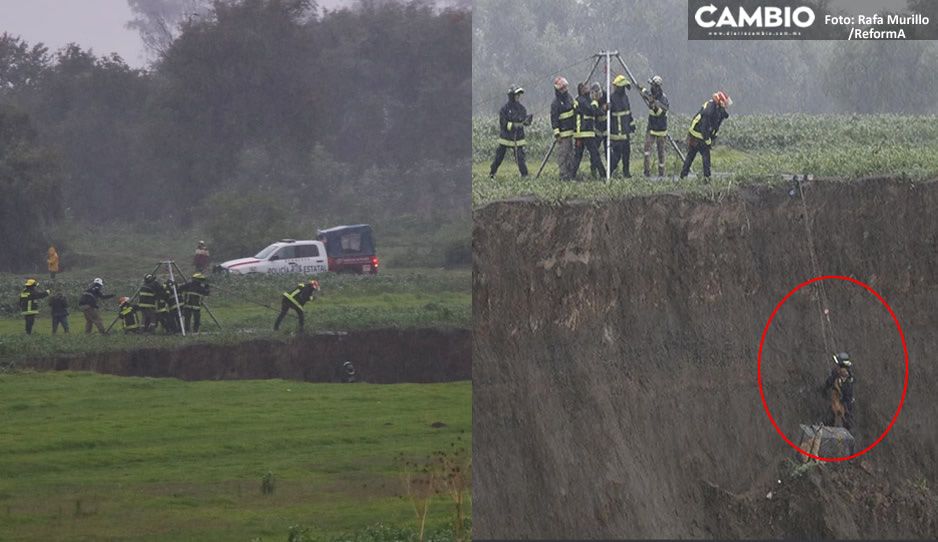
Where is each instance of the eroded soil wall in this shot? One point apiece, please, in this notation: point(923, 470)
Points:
point(615, 351)
point(379, 356)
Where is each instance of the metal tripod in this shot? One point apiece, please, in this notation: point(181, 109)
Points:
point(608, 55)
point(170, 267)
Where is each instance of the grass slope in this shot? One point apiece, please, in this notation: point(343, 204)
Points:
point(98, 457)
point(401, 298)
point(751, 149)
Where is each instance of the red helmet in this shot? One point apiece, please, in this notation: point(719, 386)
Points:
point(722, 99)
point(560, 82)
point(123, 299)
point(314, 283)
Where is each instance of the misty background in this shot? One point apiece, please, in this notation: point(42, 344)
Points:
point(529, 42)
point(242, 120)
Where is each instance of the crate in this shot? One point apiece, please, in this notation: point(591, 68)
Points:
point(824, 441)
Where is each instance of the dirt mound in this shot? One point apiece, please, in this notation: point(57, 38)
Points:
point(615, 349)
point(825, 500)
point(380, 356)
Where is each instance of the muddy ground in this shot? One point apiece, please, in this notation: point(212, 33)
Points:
point(614, 364)
point(380, 356)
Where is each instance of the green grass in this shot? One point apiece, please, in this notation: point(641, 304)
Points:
point(751, 149)
point(89, 456)
point(401, 299)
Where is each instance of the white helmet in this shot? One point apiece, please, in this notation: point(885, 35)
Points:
point(656, 80)
point(98, 282)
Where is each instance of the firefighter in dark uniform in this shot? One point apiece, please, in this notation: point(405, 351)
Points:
point(192, 293)
point(171, 308)
point(150, 294)
point(512, 119)
point(295, 300)
point(129, 315)
point(657, 132)
point(599, 96)
point(29, 303)
point(563, 122)
point(703, 131)
point(88, 304)
point(622, 125)
point(584, 135)
point(843, 365)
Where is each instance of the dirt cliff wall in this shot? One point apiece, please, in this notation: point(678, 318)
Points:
point(380, 356)
point(615, 350)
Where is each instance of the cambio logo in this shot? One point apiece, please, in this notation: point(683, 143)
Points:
point(760, 17)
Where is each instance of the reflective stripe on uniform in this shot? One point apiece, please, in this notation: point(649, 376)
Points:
point(293, 299)
point(620, 113)
point(566, 114)
point(129, 311)
point(658, 133)
point(30, 308)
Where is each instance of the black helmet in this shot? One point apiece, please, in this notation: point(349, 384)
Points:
point(514, 90)
point(843, 358)
point(149, 278)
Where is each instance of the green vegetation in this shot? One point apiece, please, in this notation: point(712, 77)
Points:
point(528, 42)
point(93, 456)
point(254, 114)
point(751, 149)
point(404, 298)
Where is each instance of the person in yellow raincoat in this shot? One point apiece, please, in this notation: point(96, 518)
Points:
point(53, 261)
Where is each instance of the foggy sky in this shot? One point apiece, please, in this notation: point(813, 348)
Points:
point(94, 24)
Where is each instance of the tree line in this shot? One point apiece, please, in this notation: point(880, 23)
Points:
point(528, 41)
point(356, 114)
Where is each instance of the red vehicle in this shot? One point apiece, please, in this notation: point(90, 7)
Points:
point(351, 249)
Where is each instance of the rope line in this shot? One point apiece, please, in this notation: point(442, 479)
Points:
point(827, 332)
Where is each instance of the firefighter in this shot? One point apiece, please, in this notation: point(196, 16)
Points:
point(201, 258)
point(657, 132)
point(843, 369)
point(563, 122)
point(350, 376)
point(59, 306)
point(599, 96)
point(584, 135)
point(703, 131)
point(88, 304)
point(622, 125)
point(171, 308)
point(512, 119)
point(162, 307)
point(192, 293)
point(29, 303)
point(129, 315)
point(295, 300)
point(150, 294)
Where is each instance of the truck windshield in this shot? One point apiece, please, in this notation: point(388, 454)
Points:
point(262, 255)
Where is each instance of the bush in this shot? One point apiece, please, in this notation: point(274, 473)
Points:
point(240, 223)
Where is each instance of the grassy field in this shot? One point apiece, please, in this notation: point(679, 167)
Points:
point(751, 149)
point(99, 457)
point(247, 307)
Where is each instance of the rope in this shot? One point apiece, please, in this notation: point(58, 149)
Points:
point(823, 306)
point(244, 298)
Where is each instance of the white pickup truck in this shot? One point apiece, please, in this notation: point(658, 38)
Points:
point(285, 256)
